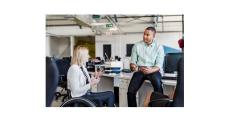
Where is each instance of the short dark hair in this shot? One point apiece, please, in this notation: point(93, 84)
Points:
point(151, 28)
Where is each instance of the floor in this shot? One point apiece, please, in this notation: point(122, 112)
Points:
point(58, 102)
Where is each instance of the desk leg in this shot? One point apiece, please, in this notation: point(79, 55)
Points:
point(123, 89)
point(123, 97)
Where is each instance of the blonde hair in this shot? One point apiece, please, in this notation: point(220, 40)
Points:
point(80, 54)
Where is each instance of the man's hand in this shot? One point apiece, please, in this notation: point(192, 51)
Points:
point(148, 70)
point(133, 67)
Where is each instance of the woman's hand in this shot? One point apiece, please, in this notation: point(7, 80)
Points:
point(98, 74)
point(94, 81)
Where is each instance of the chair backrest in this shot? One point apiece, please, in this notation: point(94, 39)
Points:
point(159, 100)
point(67, 58)
point(63, 66)
point(178, 98)
point(52, 75)
point(171, 61)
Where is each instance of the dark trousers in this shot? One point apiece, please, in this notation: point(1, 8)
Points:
point(101, 98)
point(136, 82)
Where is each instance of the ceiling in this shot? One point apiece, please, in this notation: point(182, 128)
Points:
point(113, 24)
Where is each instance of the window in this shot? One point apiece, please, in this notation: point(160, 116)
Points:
point(129, 49)
point(107, 51)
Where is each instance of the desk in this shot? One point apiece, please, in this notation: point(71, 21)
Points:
point(109, 81)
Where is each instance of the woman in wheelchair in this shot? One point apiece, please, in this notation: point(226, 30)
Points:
point(80, 83)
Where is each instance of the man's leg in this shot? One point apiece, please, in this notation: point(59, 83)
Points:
point(155, 79)
point(134, 85)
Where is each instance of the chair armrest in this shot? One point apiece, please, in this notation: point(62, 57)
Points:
point(162, 102)
point(162, 99)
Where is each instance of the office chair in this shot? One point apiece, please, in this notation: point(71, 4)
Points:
point(63, 66)
point(52, 76)
point(171, 62)
point(169, 67)
point(178, 98)
point(51, 80)
point(159, 100)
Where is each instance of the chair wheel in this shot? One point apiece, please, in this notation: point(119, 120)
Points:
point(64, 98)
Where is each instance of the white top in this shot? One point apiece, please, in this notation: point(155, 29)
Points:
point(76, 81)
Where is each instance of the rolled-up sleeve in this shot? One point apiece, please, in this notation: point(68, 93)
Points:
point(160, 57)
point(134, 55)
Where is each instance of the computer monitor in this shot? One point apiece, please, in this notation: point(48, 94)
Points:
point(171, 62)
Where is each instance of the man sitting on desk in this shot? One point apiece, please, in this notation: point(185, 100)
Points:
point(146, 61)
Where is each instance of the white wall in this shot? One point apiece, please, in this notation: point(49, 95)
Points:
point(59, 47)
point(47, 45)
point(118, 42)
point(169, 39)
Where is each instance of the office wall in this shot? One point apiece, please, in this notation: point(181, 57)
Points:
point(118, 42)
point(47, 45)
point(59, 46)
